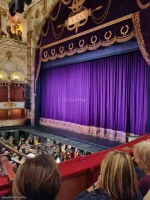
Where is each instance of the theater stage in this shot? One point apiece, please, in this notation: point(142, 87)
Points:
point(80, 141)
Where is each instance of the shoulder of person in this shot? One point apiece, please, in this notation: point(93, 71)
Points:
point(139, 195)
point(147, 196)
point(100, 195)
point(144, 180)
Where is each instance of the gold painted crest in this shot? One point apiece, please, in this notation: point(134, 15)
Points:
point(79, 15)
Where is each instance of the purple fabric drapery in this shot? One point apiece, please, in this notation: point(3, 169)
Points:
point(109, 93)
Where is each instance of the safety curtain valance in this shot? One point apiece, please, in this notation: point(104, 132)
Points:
point(75, 26)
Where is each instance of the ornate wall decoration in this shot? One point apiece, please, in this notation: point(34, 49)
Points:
point(9, 55)
point(4, 13)
point(21, 57)
point(9, 66)
point(9, 105)
point(37, 14)
point(15, 27)
point(17, 122)
point(25, 15)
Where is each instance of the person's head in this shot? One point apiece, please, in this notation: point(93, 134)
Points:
point(37, 178)
point(141, 152)
point(14, 155)
point(118, 178)
point(20, 150)
point(17, 157)
point(3, 149)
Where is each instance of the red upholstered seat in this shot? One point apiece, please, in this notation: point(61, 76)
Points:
point(4, 183)
point(6, 192)
point(8, 170)
point(5, 186)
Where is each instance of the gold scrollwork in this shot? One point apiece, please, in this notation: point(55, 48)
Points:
point(61, 49)
point(143, 6)
point(93, 39)
point(70, 47)
point(124, 33)
point(108, 35)
point(53, 51)
point(81, 43)
point(66, 2)
point(45, 54)
point(4, 14)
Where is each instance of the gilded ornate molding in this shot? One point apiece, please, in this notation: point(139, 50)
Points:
point(9, 105)
point(89, 31)
point(16, 122)
point(143, 6)
point(139, 37)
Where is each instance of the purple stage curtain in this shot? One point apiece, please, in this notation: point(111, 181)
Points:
point(142, 29)
point(108, 93)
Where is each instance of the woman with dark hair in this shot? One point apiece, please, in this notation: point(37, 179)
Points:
point(36, 179)
point(116, 182)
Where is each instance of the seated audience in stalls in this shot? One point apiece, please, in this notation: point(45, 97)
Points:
point(36, 141)
point(116, 182)
point(11, 141)
point(141, 152)
point(36, 179)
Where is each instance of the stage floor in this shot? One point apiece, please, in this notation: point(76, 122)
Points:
point(84, 142)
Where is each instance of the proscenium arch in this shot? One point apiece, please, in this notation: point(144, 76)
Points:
point(33, 91)
point(47, 14)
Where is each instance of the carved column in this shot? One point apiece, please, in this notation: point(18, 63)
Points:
point(9, 90)
point(29, 36)
point(8, 114)
point(0, 21)
point(44, 6)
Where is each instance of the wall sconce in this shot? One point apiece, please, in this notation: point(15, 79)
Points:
point(1, 76)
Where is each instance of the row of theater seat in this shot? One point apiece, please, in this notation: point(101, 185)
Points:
point(78, 173)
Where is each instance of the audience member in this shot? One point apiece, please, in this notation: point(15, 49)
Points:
point(116, 182)
point(37, 178)
point(141, 153)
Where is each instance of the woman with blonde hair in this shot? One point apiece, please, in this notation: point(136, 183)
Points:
point(116, 182)
point(36, 179)
point(141, 152)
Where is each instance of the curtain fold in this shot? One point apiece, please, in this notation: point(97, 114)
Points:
point(109, 93)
